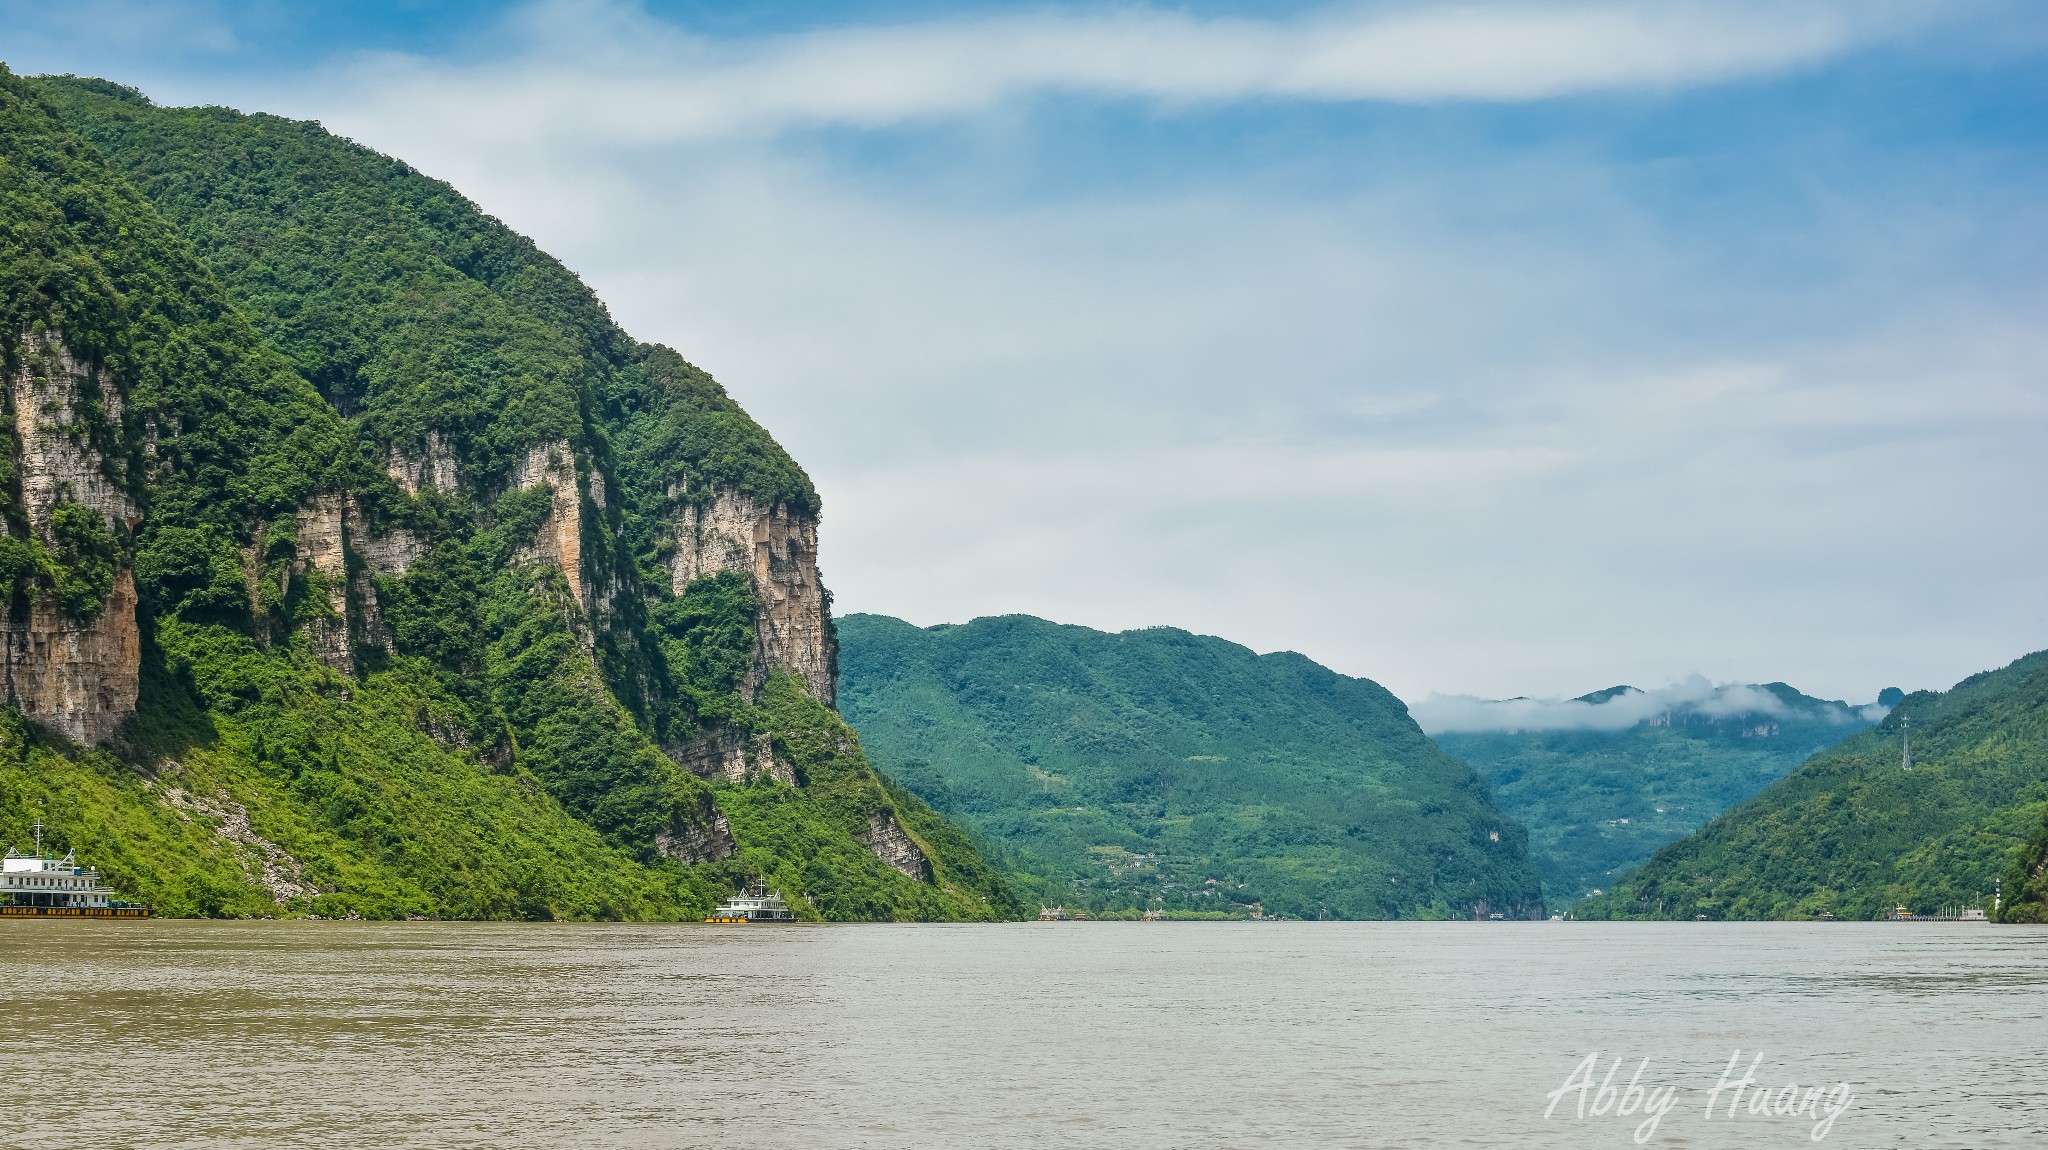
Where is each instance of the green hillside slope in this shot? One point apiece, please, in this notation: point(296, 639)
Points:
point(1854, 833)
point(478, 693)
point(2026, 880)
point(1598, 802)
point(1162, 769)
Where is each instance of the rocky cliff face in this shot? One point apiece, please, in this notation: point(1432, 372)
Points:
point(433, 471)
point(339, 558)
point(292, 314)
point(79, 677)
point(778, 547)
point(560, 539)
point(890, 844)
point(323, 562)
point(727, 754)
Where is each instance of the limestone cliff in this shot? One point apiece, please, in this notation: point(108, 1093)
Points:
point(323, 563)
point(704, 840)
point(61, 406)
point(725, 753)
point(386, 556)
point(778, 547)
point(890, 844)
point(560, 540)
point(352, 404)
point(79, 677)
point(433, 471)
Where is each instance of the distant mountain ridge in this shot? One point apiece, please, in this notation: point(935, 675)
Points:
point(1859, 828)
point(1619, 707)
point(1160, 768)
point(1602, 781)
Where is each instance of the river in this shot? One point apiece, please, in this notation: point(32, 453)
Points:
point(1031, 1035)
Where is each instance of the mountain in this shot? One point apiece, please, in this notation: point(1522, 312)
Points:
point(1859, 829)
point(2025, 885)
point(1627, 771)
point(359, 564)
point(1157, 768)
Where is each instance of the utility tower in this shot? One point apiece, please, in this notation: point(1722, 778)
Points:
point(1905, 744)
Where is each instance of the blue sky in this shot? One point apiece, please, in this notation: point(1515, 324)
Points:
point(1493, 348)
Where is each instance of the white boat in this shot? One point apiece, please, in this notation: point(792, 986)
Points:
point(752, 905)
point(32, 886)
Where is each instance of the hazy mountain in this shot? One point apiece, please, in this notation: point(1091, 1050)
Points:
point(1860, 828)
point(1160, 768)
point(1603, 780)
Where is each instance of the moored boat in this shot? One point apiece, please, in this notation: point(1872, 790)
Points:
point(752, 905)
point(32, 886)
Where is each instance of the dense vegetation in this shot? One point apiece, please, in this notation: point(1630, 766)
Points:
point(1162, 769)
point(282, 310)
point(2026, 880)
point(1854, 833)
point(415, 314)
point(1598, 802)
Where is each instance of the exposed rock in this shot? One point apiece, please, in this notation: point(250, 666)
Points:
point(445, 731)
point(268, 865)
point(80, 679)
point(321, 550)
point(391, 554)
point(697, 842)
point(404, 468)
point(725, 754)
point(889, 842)
point(560, 539)
point(717, 754)
point(765, 761)
point(372, 630)
point(436, 469)
point(778, 547)
point(59, 463)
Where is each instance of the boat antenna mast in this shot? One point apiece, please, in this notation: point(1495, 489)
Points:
point(39, 838)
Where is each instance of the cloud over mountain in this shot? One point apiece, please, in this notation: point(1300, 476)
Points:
point(1620, 708)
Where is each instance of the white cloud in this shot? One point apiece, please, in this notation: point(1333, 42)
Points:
point(1444, 428)
point(601, 71)
point(1442, 714)
point(1499, 420)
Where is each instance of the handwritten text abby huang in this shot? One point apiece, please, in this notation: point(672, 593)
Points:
point(1600, 1097)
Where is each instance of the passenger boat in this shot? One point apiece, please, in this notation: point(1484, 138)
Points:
point(752, 905)
point(32, 886)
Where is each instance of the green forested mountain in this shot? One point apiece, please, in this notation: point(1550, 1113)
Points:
point(1854, 831)
point(2026, 880)
point(1157, 768)
point(359, 564)
point(1599, 800)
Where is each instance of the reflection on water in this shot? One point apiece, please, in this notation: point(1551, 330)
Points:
point(1130, 1035)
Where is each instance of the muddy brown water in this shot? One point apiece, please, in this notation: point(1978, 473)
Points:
point(1128, 1035)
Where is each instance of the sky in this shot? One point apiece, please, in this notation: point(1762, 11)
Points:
point(1489, 349)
